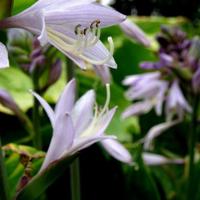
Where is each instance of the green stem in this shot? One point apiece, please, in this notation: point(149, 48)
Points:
point(75, 166)
point(192, 144)
point(4, 190)
point(75, 180)
point(37, 138)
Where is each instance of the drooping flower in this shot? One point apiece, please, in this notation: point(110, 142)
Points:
point(176, 104)
point(4, 62)
point(134, 32)
point(151, 90)
point(76, 127)
point(71, 26)
point(148, 90)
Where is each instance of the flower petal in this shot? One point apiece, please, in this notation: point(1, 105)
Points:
point(156, 130)
point(138, 108)
point(133, 31)
point(82, 112)
point(4, 62)
point(61, 141)
point(66, 100)
point(103, 72)
point(103, 122)
point(46, 107)
point(117, 150)
point(85, 142)
point(85, 15)
point(155, 159)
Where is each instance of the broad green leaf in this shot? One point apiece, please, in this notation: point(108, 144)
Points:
point(16, 167)
point(20, 5)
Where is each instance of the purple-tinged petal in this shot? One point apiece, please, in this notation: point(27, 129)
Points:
point(152, 159)
point(4, 62)
point(133, 31)
point(138, 109)
point(117, 150)
point(147, 65)
point(79, 62)
point(196, 81)
point(85, 15)
point(157, 130)
point(103, 72)
point(46, 107)
point(62, 140)
point(66, 100)
point(82, 112)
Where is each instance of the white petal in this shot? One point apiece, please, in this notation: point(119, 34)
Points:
point(4, 62)
point(46, 107)
point(43, 37)
point(66, 100)
point(156, 130)
point(79, 62)
point(104, 121)
point(61, 141)
point(85, 142)
point(117, 150)
point(85, 15)
point(82, 112)
point(155, 159)
point(138, 109)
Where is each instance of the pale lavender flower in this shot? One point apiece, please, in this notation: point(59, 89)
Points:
point(75, 127)
point(149, 90)
point(71, 26)
point(4, 62)
point(152, 159)
point(176, 104)
point(134, 32)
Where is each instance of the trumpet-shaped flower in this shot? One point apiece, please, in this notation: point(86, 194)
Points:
point(149, 89)
point(75, 127)
point(4, 62)
point(71, 26)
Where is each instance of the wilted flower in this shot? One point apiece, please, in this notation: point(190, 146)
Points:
point(73, 27)
point(75, 127)
point(134, 32)
point(4, 62)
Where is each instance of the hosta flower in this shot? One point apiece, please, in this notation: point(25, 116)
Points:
point(134, 32)
point(71, 26)
point(76, 127)
point(148, 89)
point(176, 104)
point(151, 91)
point(4, 62)
point(152, 159)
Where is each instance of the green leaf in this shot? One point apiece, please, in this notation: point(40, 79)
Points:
point(44, 179)
point(20, 5)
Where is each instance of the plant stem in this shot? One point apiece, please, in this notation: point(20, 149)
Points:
point(75, 166)
point(192, 143)
point(75, 180)
point(4, 190)
point(37, 139)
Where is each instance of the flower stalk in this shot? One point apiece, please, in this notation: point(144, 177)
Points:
point(192, 143)
point(37, 138)
point(4, 191)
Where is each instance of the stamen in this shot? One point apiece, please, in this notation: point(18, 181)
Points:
point(101, 62)
point(77, 29)
point(105, 108)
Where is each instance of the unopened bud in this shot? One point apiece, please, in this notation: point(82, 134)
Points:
point(133, 31)
point(55, 72)
point(7, 101)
